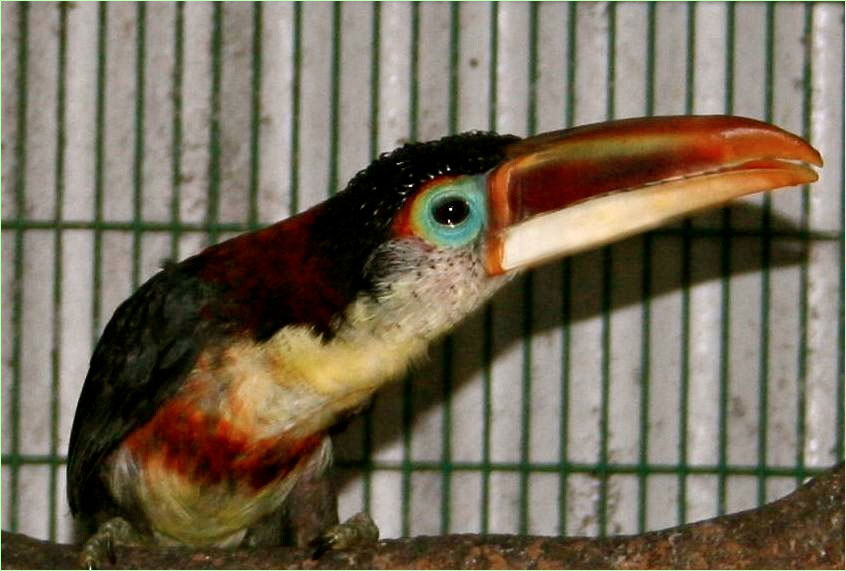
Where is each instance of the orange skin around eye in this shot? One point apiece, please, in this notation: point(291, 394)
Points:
point(403, 225)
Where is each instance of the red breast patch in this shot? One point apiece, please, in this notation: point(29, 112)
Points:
point(209, 450)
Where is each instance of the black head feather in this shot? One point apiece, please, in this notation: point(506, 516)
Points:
point(373, 197)
point(357, 220)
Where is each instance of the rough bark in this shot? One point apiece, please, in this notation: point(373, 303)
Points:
point(803, 530)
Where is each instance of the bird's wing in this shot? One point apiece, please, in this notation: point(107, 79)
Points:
point(142, 358)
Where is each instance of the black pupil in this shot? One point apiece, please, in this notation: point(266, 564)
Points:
point(451, 212)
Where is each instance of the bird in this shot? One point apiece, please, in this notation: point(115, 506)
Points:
point(206, 415)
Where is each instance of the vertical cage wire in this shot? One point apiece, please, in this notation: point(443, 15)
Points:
point(691, 371)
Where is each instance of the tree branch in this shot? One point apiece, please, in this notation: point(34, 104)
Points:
point(803, 530)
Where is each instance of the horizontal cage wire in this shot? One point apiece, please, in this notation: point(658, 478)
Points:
point(691, 371)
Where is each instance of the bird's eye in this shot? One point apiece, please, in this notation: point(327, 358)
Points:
point(451, 211)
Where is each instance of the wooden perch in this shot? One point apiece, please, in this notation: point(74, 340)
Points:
point(803, 530)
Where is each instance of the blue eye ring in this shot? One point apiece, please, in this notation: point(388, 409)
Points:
point(451, 214)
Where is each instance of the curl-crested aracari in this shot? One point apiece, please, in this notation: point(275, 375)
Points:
point(213, 388)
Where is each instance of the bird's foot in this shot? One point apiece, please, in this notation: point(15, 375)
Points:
point(357, 531)
point(99, 549)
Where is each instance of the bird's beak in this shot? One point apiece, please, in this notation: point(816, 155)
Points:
point(564, 192)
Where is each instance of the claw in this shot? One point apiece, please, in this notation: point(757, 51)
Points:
point(357, 531)
point(99, 549)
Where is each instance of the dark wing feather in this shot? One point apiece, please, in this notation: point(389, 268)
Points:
point(142, 358)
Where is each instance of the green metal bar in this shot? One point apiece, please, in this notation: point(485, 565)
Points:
point(335, 96)
point(590, 469)
point(646, 290)
point(839, 420)
point(56, 353)
point(124, 226)
point(541, 467)
point(255, 118)
point(602, 472)
point(453, 79)
point(572, 29)
point(138, 151)
point(407, 388)
point(213, 210)
point(447, 362)
point(611, 68)
point(725, 267)
point(802, 373)
point(485, 465)
point(375, 47)
point(17, 296)
point(649, 103)
point(643, 449)
point(446, 435)
point(686, 269)
point(375, 86)
point(566, 288)
point(414, 65)
point(176, 123)
point(407, 462)
point(528, 291)
point(99, 167)
point(563, 453)
point(488, 341)
point(296, 89)
point(690, 64)
point(766, 257)
point(607, 255)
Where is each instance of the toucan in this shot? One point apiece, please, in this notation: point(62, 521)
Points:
point(206, 413)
